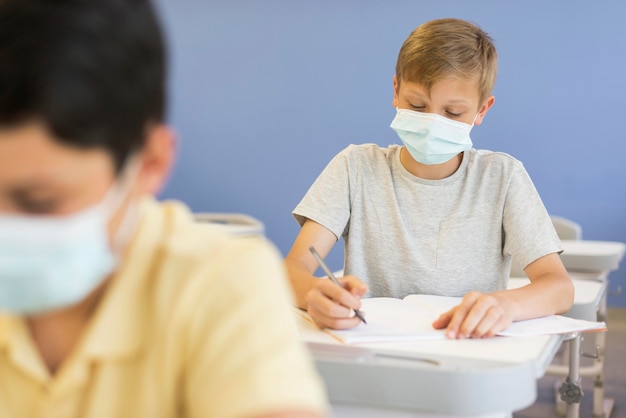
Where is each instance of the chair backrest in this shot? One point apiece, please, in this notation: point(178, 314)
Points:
point(565, 228)
point(236, 223)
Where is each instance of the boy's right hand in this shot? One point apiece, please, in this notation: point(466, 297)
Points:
point(332, 306)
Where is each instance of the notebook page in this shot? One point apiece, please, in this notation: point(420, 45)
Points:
point(411, 318)
point(553, 324)
point(433, 303)
point(390, 319)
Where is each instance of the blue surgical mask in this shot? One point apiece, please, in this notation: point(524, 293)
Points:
point(49, 263)
point(431, 138)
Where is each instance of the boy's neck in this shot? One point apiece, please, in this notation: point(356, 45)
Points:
point(57, 334)
point(430, 172)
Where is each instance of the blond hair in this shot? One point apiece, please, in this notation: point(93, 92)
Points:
point(448, 47)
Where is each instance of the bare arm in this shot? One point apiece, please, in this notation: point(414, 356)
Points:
point(328, 304)
point(550, 290)
point(299, 262)
point(485, 314)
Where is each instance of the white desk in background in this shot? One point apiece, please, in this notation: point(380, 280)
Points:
point(481, 377)
point(592, 256)
point(589, 298)
point(589, 264)
point(592, 261)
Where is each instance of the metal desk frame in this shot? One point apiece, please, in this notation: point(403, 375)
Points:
point(591, 260)
point(588, 301)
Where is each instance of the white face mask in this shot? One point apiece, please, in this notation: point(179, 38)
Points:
point(431, 138)
point(48, 263)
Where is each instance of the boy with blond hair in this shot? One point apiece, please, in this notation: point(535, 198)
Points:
point(434, 216)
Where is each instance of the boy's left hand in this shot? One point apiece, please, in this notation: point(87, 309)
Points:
point(479, 315)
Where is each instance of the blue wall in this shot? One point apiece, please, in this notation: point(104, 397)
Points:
point(264, 93)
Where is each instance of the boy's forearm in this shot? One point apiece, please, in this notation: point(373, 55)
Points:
point(551, 294)
point(301, 281)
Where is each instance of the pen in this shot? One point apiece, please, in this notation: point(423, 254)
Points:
point(332, 277)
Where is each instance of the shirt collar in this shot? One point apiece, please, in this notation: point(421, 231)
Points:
point(118, 327)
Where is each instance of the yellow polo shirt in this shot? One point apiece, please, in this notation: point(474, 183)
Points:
point(195, 323)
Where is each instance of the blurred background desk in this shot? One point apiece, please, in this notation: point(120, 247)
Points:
point(592, 261)
point(589, 264)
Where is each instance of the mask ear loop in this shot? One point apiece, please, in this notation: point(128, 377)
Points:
point(474, 121)
point(126, 229)
point(397, 109)
point(120, 193)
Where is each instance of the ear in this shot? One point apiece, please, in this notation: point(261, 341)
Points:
point(483, 109)
point(395, 91)
point(156, 160)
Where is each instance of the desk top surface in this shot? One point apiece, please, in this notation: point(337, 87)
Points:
point(587, 255)
point(441, 376)
point(593, 248)
point(538, 350)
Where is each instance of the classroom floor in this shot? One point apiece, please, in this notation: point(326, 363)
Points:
point(614, 373)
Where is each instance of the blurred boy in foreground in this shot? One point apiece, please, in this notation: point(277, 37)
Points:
point(111, 304)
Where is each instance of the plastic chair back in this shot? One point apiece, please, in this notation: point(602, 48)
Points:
point(565, 228)
point(235, 223)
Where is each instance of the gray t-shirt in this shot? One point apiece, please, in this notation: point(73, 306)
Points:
point(406, 235)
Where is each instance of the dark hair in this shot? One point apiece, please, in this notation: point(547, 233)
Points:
point(92, 71)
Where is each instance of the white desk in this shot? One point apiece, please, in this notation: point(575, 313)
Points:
point(461, 377)
point(489, 377)
point(592, 256)
point(351, 411)
point(458, 378)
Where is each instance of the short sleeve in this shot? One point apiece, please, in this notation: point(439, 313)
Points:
point(528, 230)
point(244, 356)
point(327, 201)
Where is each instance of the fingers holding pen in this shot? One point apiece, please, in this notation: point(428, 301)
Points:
point(355, 286)
point(333, 306)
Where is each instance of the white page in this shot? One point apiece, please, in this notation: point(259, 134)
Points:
point(390, 319)
point(433, 303)
point(553, 324)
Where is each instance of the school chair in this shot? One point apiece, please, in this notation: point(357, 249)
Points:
point(235, 223)
point(566, 228)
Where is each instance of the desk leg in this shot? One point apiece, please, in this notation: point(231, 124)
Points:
point(598, 382)
point(571, 391)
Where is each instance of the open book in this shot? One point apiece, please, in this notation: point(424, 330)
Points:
point(411, 318)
